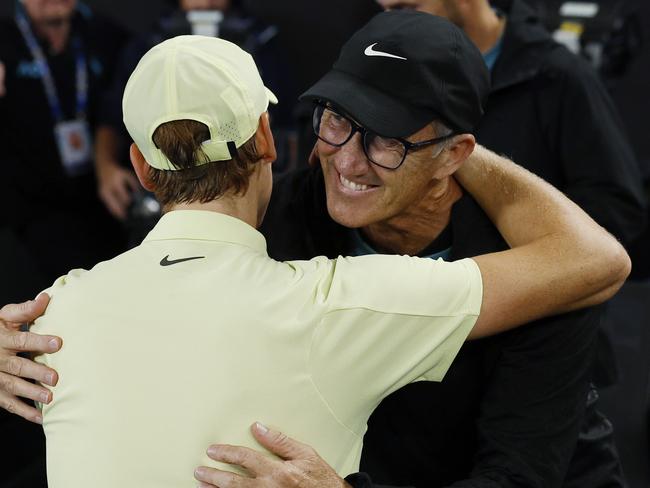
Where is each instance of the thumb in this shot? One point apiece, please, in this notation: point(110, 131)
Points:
point(26, 311)
point(280, 444)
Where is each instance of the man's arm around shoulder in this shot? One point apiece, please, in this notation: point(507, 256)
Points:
point(560, 260)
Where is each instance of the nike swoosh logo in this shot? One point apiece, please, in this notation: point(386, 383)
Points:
point(370, 51)
point(168, 262)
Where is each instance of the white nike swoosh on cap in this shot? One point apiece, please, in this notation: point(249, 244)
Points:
point(371, 52)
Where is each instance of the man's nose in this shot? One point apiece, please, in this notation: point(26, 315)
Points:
point(350, 158)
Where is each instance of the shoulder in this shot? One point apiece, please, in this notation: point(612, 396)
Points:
point(561, 64)
point(62, 291)
point(64, 283)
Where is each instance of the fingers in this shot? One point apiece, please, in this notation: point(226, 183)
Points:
point(116, 189)
point(13, 365)
point(253, 461)
point(121, 191)
point(15, 386)
point(17, 341)
point(211, 477)
point(280, 444)
point(14, 368)
point(113, 205)
point(15, 406)
point(116, 199)
point(15, 314)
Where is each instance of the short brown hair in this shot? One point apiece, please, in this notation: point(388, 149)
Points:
point(180, 141)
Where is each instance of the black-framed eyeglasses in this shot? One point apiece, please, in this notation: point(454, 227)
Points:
point(388, 152)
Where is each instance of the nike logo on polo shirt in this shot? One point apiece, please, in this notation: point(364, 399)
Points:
point(168, 262)
point(371, 52)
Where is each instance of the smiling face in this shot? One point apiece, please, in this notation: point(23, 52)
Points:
point(360, 193)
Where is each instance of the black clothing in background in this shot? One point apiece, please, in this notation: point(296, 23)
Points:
point(49, 222)
point(548, 111)
point(58, 219)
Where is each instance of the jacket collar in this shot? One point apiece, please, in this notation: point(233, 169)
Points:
point(201, 225)
point(525, 45)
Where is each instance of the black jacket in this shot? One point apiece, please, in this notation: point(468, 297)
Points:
point(521, 393)
point(548, 111)
point(509, 410)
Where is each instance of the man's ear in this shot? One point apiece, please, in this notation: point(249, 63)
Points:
point(264, 140)
point(141, 167)
point(457, 151)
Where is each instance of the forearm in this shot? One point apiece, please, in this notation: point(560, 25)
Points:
point(523, 207)
point(543, 227)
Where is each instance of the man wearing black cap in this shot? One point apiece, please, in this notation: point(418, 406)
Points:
point(385, 184)
point(508, 412)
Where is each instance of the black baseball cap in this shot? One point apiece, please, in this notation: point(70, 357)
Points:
point(404, 69)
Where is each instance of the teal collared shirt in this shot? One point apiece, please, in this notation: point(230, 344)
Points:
point(362, 248)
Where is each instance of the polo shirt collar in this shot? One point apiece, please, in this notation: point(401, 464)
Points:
point(202, 225)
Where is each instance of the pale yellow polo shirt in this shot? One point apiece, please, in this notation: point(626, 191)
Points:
point(158, 362)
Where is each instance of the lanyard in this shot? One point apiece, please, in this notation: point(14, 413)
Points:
point(46, 74)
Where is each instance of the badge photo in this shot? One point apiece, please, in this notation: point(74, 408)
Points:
point(75, 146)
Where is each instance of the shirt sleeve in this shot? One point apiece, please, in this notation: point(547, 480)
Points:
point(389, 321)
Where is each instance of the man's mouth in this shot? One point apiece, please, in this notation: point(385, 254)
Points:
point(351, 185)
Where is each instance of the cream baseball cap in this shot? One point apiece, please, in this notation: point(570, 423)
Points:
point(199, 78)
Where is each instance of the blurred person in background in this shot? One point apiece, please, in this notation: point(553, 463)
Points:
point(56, 58)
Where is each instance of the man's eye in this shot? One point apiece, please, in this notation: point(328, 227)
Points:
point(386, 143)
point(335, 119)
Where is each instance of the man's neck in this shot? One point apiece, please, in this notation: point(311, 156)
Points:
point(415, 229)
point(485, 28)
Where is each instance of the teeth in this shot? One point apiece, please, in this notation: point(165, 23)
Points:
point(350, 185)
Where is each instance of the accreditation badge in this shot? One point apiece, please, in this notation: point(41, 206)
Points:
point(75, 146)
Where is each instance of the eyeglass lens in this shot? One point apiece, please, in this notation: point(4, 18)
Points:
point(336, 129)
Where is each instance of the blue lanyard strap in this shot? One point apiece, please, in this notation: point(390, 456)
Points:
point(46, 74)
